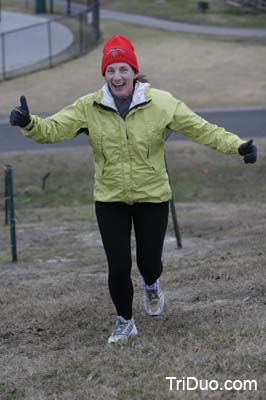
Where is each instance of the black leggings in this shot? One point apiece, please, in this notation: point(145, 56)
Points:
point(115, 224)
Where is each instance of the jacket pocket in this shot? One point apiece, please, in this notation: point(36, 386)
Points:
point(150, 157)
point(96, 141)
point(155, 156)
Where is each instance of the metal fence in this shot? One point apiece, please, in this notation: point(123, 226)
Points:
point(48, 43)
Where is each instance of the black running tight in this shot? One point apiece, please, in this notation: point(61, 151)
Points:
point(115, 224)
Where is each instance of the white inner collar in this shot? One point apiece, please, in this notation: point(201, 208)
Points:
point(138, 96)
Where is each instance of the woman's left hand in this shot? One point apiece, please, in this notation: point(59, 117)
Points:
point(249, 151)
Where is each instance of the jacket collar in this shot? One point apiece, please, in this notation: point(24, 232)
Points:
point(138, 97)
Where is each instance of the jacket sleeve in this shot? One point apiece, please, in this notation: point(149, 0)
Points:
point(191, 125)
point(58, 127)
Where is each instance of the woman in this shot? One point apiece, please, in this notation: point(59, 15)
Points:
point(125, 121)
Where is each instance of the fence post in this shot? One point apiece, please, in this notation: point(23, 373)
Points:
point(172, 207)
point(51, 6)
point(6, 199)
point(40, 6)
point(49, 36)
point(3, 54)
point(68, 7)
point(174, 216)
point(96, 18)
point(175, 223)
point(81, 33)
point(10, 198)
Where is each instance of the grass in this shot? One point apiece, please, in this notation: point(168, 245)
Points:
point(200, 71)
point(187, 11)
point(71, 176)
point(56, 312)
point(177, 10)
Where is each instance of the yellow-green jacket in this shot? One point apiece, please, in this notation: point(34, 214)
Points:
point(129, 154)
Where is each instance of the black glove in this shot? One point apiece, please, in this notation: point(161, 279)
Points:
point(249, 151)
point(20, 115)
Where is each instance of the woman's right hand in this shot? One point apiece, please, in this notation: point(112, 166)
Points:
point(20, 115)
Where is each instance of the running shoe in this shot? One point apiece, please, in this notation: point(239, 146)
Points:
point(154, 299)
point(123, 330)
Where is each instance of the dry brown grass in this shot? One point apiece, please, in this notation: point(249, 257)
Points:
point(56, 313)
point(186, 10)
point(198, 70)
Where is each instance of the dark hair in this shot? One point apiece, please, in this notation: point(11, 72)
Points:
point(142, 78)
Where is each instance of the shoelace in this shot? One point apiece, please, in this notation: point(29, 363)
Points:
point(152, 294)
point(122, 328)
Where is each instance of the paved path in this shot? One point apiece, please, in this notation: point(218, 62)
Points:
point(247, 122)
point(168, 25)
point(180, 26)
point(25, 40)
point(29, 46)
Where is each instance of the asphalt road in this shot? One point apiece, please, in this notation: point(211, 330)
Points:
point(246, 122)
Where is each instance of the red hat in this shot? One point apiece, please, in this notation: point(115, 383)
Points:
point(119, 49)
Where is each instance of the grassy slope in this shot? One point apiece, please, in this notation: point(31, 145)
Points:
point(176, 10)
point(199, 173)
point(187, 11)
point(55, 309)
point(56, 312)
point(201, 71)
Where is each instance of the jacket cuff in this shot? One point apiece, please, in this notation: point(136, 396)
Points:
point(30, 125)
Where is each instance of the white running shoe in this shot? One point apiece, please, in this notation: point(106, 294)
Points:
point(123, 330)
point(154, 300)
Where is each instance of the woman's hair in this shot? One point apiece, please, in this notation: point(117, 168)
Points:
point(142, 78)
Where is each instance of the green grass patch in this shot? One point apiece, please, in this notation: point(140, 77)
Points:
point(211, 176)
point(187, 11)
point(176, 10)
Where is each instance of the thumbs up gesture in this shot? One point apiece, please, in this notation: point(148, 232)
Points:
point(20, 115)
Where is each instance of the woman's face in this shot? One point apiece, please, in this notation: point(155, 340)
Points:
point(120, 79)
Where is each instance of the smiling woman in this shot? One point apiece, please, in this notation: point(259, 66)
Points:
point(126, 121)
point(120, 76)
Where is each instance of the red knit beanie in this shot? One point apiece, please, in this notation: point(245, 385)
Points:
point(119, 49)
